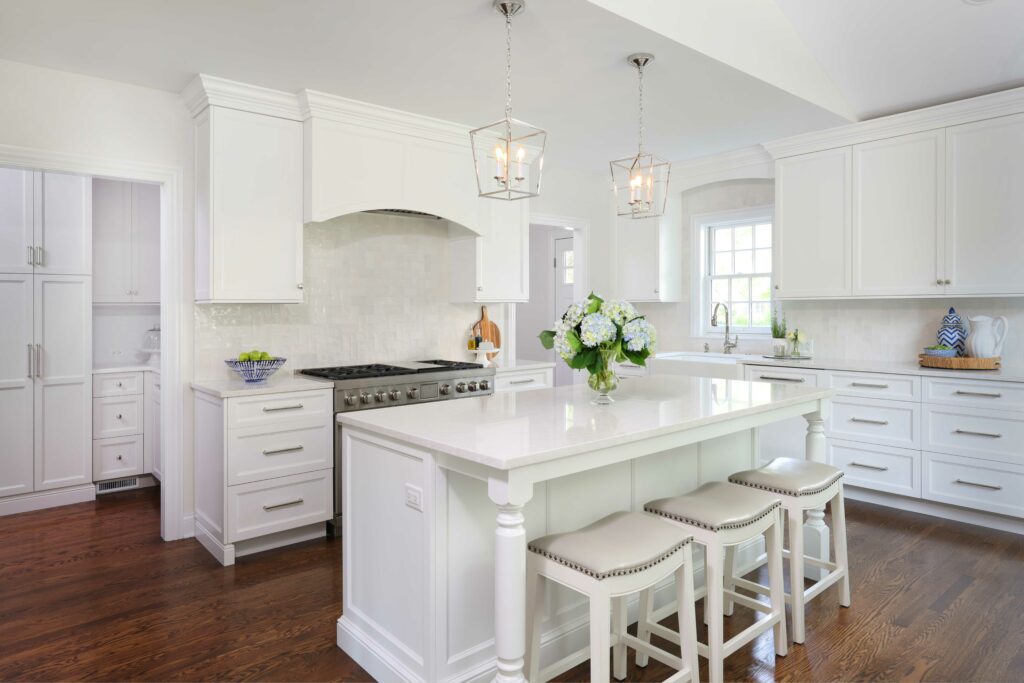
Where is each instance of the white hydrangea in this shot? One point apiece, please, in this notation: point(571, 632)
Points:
point(562, 347)
point(574, 314)
point(619, 312)
point(638, 335)
point(596, 329)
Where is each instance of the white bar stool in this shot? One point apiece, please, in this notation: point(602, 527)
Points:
point(621, 554)
point(720, 516)
point(802, 485)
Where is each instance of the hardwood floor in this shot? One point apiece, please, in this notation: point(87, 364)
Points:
point(90, 592)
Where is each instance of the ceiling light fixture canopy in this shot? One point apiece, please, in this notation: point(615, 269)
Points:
point(508, 154)
point(640, 182)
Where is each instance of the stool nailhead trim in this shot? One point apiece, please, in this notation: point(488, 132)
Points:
point(615, 572)
point(790, 492)
point(702, 525)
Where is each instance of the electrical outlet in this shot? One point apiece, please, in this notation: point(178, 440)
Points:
point(414, 497)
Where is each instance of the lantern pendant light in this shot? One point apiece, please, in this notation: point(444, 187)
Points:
point(640, 182)
point(508, 154)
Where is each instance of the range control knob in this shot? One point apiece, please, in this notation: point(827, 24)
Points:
point(445, 389)
point(413, 392)
point(473, 385)
point(365, 398)
point(351, 400)
point(380, 396)
point(460, 387)
point(395, 394)
point(484, 385)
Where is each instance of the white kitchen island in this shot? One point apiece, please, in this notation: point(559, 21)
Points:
point(434, 588)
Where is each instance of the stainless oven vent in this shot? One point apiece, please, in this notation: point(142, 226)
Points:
point(406, 213)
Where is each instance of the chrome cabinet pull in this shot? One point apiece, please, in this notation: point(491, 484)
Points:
point(869, 421)
point(39, 360)
point(990, 435)
point(297, 406)
point(31, 374)
point(31, 255)
point(297, 501)
point(39, 256)
point(279, 451)
point(992, 487)
point(869, 467)
point(782, 379)
point(119, 416)
point(868, 385)
point(120, 457)
point(523, 381)
point(982, 394)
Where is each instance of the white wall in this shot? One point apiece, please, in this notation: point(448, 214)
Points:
point(117, 332)
point(539, 313)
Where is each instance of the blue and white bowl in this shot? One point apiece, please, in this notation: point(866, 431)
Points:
point(256, 371)
point(941, 353)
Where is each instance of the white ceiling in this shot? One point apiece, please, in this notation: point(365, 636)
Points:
point(443, 58)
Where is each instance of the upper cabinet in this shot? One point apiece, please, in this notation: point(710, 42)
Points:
point(812, 228)
point(248, 207)
point(490, 268)
point(649, 258)
point(126, 242)
point(985, 207)
point(45, 223)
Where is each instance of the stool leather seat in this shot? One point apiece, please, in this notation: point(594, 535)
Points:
point(716, 505)
point(619, 544)
point(790, 476)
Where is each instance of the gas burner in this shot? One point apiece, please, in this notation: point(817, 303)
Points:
point(356, 371)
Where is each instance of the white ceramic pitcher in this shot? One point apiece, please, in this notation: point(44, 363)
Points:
point(985, 341)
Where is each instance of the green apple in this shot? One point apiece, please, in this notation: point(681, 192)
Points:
point(243, 357)
point(265, 356)
point(254, 354)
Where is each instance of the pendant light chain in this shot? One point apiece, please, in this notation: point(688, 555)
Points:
point(508, 67)
point(640, 145)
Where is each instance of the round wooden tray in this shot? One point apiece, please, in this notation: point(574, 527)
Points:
point(959, 363)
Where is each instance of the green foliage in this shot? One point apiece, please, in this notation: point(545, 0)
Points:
point(547, 339)
point(778, 325)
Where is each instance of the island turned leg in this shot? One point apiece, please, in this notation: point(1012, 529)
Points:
point(509, 581)
point(815, 529)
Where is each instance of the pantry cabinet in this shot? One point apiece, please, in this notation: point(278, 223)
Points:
point(648, 254)
point(17, 383)
point(126, 242)
point(249, 192)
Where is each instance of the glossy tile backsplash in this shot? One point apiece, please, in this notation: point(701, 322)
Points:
point(376, 290)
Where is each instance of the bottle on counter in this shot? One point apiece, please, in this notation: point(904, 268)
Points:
point(471, 344)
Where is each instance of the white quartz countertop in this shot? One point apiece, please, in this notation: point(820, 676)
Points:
point(507, 430)
point(229, 388)
point(1005, 374)
point(524, 366)
point(110, 369)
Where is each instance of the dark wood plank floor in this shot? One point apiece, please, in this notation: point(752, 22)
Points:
point(90, 592)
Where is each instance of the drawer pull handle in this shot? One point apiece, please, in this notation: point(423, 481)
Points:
point(279, 451)
point(297, 406)
point(120, 457)
point(982, 394)
point(869, 421)
point(783, 379)
point(990, 435)
point(119, 416)
point(868, 385)
point(869, 467)
point(523, 381)
point(297, 501)
point(120, 384)
point(993, 487)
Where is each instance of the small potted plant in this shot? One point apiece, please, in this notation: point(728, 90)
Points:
point(779, 346)
point(799, 343)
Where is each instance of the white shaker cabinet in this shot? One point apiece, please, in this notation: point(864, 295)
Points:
point(249, 193)
point(648, 256)
point(985, 206)
point(493, 267)
point(17, 237)
point(126, 238)
point(152, 461)
point(898, 215)
point(17, 383)
point(812, 225)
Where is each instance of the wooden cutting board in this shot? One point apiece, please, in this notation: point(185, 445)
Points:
point(487, 331)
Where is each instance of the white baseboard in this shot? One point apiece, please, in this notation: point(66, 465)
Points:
point(225, 554)
point(281, 538)
point(40, 500)
point(377, 661)
point(927, 507)
point(188, 526)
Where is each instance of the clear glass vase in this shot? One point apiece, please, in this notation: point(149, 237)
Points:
point(604, 380)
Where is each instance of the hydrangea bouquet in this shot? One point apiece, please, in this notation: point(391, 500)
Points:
point(595, 333)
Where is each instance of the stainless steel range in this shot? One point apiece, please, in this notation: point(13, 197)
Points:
point(365, 387)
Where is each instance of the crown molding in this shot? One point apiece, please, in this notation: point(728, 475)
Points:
point(320, 105)
point(940, 116)
point(204, 91)
point(746, 162)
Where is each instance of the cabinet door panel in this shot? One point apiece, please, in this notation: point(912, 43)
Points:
point(146, 243)
point(898, 215)
point(16, 215)
point(111, 225)
point(984, 205)
point(63, 396)
point(813, 207)
point(504, 251)
point(65, 232)
point(16, 387)
point(637, 257)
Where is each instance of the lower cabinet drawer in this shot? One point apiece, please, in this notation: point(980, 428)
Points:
point(877, 421)
point(116, 457)
point(979, 484)
point(266, 507)
point(116, 416)
point(523, 381)
point(254, 455)
point(881, 468)
point(974, 432)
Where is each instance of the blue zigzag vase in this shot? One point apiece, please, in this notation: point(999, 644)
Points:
point(952, 333)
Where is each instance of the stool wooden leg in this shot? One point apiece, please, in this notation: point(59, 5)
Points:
point(777, 595)
point(839, 531)
point(706, 591)
point(713, 611)
point(600, 637)
point(645, 616)
point(729, 582)
point(618, 630)
point(796, 570)
point(536, 586)
point(687, 616)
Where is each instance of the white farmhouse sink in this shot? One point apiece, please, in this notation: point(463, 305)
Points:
point(700, 364)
